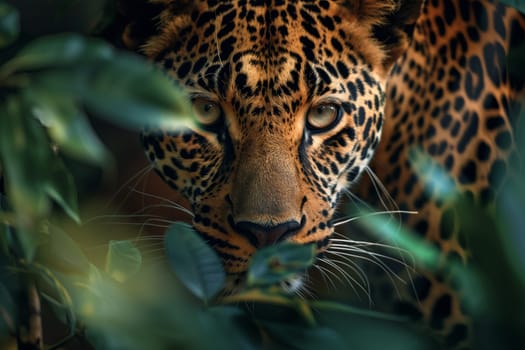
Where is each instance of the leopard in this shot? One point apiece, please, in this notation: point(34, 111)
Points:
point(294, 101)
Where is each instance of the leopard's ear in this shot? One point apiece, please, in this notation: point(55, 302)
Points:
point(146, 18)
point(391, 22)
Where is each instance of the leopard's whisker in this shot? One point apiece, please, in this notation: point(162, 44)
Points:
point(148, 244)
point(392, 276)
point(342, 247)
point(373, 259)
point(352, 244)
point(345, 220)
point(160, 223)
point(358, 202)
point(152, 251)
point(119, 216)
point(306, 287)
point(299, 294)
point(388, 204)
point(324, 275)
point(348, 278)
point(124, 223)
point(343, 273)
point(295, 285)
point(380, 188)
point(174, 204)
point(155, 206)
point(352, 265)
point(136, 178)
point(155, 238)
point(355, 243)
point(353, 249)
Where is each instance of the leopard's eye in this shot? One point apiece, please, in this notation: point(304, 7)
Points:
point(323, 116)
point(206, 112)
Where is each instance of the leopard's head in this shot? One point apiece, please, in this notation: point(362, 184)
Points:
point(288, 97)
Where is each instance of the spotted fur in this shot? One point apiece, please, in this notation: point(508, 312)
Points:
point(451, 95)
point(261, 173)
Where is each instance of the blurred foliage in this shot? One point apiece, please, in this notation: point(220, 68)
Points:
point(515, 3)
point(48, 86)
point(9, 26)
point(194, 262)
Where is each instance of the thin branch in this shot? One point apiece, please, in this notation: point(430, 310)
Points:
point(30, 329)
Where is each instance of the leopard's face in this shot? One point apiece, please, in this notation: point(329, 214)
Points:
point(288, 100)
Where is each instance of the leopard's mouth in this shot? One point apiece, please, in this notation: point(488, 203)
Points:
point(261, 236)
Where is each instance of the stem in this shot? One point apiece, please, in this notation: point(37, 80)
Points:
point(8, 320)
point(30, 329)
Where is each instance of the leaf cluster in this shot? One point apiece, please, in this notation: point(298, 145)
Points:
point(49, 86)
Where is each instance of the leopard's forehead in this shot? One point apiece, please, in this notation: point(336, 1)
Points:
point(270, 41)
point(269, 59)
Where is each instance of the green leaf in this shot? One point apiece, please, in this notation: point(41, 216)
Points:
point(320, 305)
point(69, 128)
point(362, 332)
point(437, 182)
point(25, 156)
point(218, 321)
point(122, 87)
point(60, 186)
point(292, 336)
point(61, 253)
point(33, 172)
point(512, 227)
point(5, 238)
point(9, 24)
point(277, 263)
point(264, 296)
point(61, 50)
point(123, 260)
point(194, 262)
point(26, 242)
point(272, 296)
point(8, 315)
point(7, 220)
point(134, 94)
point(518, 4)
point(55, 292)
point(421, 250)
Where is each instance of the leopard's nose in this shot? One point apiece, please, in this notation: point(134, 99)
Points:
point(265, 235)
